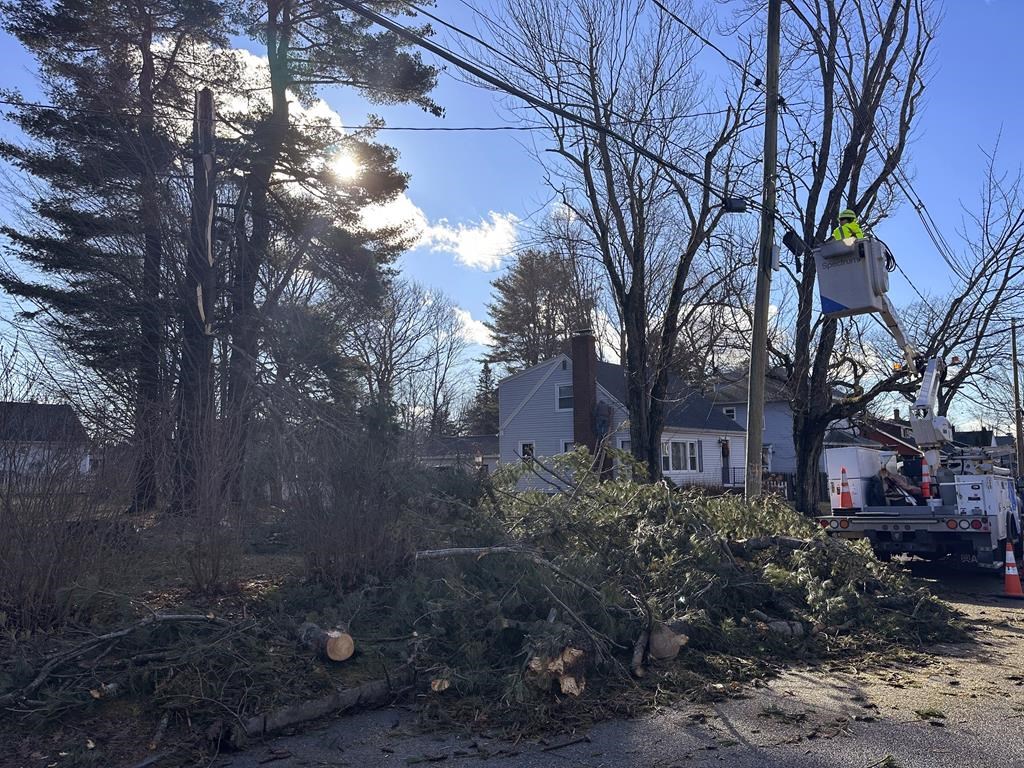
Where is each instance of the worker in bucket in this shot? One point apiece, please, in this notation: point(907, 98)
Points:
point(848, 226)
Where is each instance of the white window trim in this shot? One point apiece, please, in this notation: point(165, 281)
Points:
point(521, 456)
point(686, 457)
point(727, 414)
point(568, 446)
point(558, 408)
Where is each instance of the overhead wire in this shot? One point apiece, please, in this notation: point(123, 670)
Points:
point(535, 101)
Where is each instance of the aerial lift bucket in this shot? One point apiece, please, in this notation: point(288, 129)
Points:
point(852, 276)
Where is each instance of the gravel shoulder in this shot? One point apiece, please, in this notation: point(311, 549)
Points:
point(962, 706)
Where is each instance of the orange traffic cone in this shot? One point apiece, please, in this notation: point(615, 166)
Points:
point(926, 480)
point(845, 497)
point(1011, 584)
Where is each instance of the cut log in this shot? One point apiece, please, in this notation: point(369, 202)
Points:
point(636, 665)
point(667, 639)
point(568, 669)
point(372, 694)
point(328, 644)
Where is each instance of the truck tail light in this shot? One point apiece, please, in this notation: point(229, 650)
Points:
point(824, 523)
point(976, 525)
point(844, 523)
point(965, 524)
point(951, 524)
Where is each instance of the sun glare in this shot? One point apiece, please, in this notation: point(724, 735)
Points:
point(345, 167)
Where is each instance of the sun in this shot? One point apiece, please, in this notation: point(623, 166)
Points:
point(345, 167)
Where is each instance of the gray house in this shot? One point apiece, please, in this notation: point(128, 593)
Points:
point(477, 453)
point(576, 399)
point(729, 396)
point(38, 438)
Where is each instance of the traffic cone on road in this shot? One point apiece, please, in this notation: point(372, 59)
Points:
point(926, 480)
point(845, 497)
point(1011, 586)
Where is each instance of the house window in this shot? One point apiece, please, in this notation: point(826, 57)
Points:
point(626, 445)
point(567, 445)
point(526, 451)
point(730, 412)
point(680, 456)
point(563, 397)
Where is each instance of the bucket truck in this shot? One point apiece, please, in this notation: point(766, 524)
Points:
point(958, 502)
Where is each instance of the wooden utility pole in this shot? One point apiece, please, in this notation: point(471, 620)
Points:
point(195, 388)
point(762, 293)
point(1018, 418)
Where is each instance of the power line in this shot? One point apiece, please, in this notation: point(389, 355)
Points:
point(696, 33)
point(513, 90)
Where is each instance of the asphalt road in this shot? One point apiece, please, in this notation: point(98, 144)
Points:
point(963, 708)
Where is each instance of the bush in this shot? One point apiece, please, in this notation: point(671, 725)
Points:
point(350, 500)
point(59, 531)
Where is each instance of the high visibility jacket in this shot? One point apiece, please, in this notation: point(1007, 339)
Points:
point(844, 231)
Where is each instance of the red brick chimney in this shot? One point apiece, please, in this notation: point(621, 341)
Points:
point(584, 389)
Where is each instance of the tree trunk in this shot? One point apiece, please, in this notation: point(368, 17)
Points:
point(252, 251)
point(195, 390)
point(148, 411)
point(809, 441)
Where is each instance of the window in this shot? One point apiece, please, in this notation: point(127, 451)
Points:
point(568, 445)
point(680, 456)
point(730, 412)
point(526, 451)
point(626, 445)
point(563, 397)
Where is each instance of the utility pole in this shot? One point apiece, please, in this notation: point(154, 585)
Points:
point(762, 293)
point(1018, 418)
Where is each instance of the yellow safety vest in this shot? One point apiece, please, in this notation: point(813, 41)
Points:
point(844, 231)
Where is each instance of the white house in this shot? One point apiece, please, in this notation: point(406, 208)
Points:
point(576, 399)
point(39, 438)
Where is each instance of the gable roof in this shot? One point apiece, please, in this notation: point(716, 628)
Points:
point(460, 445)
point(40, 423)
point(689, 409)
point(732, 388)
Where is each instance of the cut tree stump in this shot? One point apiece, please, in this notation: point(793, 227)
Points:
point(328, 644)
point(568, 668)
point(666, 639)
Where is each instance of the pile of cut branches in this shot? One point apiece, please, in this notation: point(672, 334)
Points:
point(524, 605)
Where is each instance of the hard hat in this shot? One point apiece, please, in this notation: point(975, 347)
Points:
point(847, 214)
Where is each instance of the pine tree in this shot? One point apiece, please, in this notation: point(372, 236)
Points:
point(481, 417)
point(538, 303)
point(105, 156)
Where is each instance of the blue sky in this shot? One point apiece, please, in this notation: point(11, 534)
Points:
point(472, 187)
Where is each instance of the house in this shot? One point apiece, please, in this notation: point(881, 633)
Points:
point(729, 396)
point(574, 399)
point(893, 434)
point(37, 437)
point(478, 453)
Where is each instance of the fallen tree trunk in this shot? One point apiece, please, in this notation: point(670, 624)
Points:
point(328, 644)
point(363, 696)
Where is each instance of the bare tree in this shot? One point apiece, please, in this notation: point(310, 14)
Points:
point(852, 83)
point(410, 346)
point(630, 70)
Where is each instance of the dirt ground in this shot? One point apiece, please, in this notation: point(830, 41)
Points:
point(960, 706)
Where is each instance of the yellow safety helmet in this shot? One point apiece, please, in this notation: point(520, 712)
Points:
point(848, 214)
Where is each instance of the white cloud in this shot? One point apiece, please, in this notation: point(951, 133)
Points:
point(473, 331)
point(482, 245)
point(479, 245)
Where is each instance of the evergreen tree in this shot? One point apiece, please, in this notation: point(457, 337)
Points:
point(538, 303)
point(481, 417)
point(105, 157)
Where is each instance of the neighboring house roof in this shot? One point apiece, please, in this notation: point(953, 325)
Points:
point(40, 423)
point(1004, 440)
point(840, 437)
point(688, 410)
point(978, 438)
point(732, 388)
point(460, 445)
